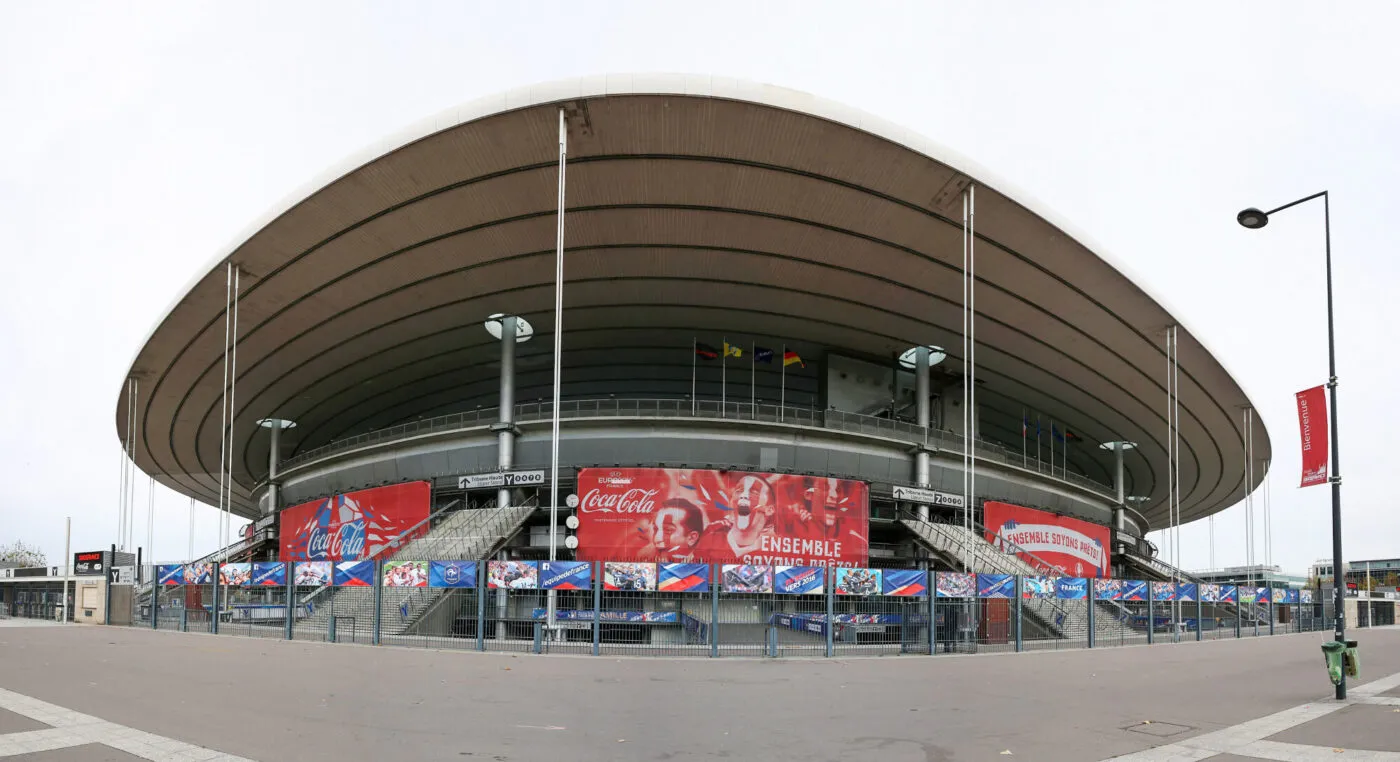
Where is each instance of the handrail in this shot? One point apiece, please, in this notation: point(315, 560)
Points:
point(701, 409)
point(1039, 564)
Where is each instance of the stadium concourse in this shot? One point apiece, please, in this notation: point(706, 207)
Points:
point(823, 386)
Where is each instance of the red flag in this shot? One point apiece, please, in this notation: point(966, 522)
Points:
point(1312, 425)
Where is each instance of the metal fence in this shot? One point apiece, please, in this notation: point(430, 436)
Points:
point(623, 609)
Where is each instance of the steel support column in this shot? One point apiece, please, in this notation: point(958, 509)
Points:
point(921, 392)
point(505, 430)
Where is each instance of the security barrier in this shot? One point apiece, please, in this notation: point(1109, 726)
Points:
point(689, 609)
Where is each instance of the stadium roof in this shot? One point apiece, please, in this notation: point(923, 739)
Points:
point(696, 205)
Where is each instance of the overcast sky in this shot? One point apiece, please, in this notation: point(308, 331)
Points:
point(140, 139)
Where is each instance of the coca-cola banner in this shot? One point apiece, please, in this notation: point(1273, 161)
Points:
point(670, 515)
point(1312, 428)
point(1067, 546)
point(355, 525)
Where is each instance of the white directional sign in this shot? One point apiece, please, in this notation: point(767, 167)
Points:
point(500, 479)
point(927, 497)
point(123, 575)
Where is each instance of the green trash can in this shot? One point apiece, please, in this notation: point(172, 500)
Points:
point(1334, 656)
point(1352, 661)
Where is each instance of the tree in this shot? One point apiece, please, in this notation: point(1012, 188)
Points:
point(25, 555)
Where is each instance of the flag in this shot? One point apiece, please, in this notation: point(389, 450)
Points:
point(1070, 435)
point(1025, 426)
point(732, 351)
point(706, 351)
point(761, 354)
point(791, 358)
point(1054, 432)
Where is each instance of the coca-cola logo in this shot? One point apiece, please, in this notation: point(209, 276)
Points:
point(634, 500)
point(346, 542)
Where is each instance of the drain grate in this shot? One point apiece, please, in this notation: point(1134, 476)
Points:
point(1158, 729)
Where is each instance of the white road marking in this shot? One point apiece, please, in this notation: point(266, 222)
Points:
point(72, 728)
point(1247, 738)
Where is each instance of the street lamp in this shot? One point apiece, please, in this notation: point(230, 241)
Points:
point(1255, 219)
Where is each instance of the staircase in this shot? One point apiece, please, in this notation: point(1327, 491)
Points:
point(968, 550)
point(463, 534)
point(1164, 571)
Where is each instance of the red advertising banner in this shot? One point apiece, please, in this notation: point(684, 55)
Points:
point(1312, 427)
point(355, 525)
point(1072, 548)
point(670, 515)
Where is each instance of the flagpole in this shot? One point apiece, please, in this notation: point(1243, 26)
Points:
point(723, 376)
point(782, 396)
point(1024, 425)
point(1037, 443)
point(694, 353)
point(753, 377)
point(558, 345)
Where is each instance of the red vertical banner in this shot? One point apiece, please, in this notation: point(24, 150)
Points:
point(1312, 428)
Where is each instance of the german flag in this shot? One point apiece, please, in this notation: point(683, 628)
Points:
point(791, 358)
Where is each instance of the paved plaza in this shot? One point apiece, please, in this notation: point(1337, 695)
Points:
point(95, 693)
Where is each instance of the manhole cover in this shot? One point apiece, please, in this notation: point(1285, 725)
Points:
point(1158, 729)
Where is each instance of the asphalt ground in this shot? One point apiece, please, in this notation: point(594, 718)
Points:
point(275, 700)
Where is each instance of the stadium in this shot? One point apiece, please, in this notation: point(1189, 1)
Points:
point(824, 385)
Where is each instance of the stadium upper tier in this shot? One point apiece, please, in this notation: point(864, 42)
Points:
point(699, 209)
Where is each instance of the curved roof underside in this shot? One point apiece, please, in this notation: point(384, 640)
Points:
point(696, 207)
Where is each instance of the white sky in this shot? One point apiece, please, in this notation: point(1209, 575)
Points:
point(140, 139)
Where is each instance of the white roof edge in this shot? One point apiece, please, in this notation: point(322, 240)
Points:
point(702, 85)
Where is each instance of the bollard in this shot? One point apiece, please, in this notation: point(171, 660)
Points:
point(184, 620)
point(539, 636)
point(1092, 593)
point(330, 631)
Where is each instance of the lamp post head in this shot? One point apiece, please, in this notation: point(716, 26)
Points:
point(1252, 218)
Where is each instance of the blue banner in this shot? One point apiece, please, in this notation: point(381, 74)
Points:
point(170, 574)
point(1163, 591)
point(1210, 593)
point(269, 573)
point(683, 578)
point(1186, 591)
point(904, 582)
point(859, 581)
point(608, 615)
point(566, 575)
point(1134, 590)
point(799, 580)
point(996, 586)
point(1229, 594)
point(1072, 588)
point(1291, 597)
point(1261, 594)
point(1305, 596)
point(814, 623)
point(354, 574)
point(451, 574)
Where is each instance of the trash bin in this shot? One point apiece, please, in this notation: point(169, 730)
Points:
point(1333, 655)
point(1352, 661)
